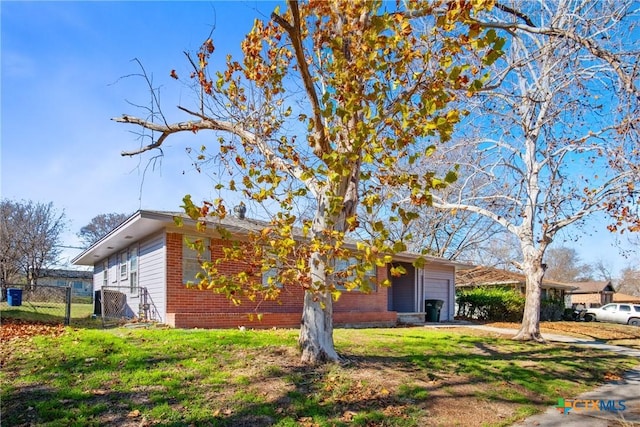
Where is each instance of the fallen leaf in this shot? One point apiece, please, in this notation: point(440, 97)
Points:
point(134, 414)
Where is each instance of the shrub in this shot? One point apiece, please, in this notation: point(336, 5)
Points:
point(552, 309)
point(490, 303)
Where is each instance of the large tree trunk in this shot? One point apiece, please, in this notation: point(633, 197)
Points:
point(316, 329)
point(316, 326)
point(530, 328)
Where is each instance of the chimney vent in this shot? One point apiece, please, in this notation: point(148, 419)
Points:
point(240, 210)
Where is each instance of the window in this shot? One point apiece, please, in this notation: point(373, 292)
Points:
point(133, 269)
point(342, 265)
point(105, 273)
point(77, 285)
point(637, 308)
point(610, 307)
point(123, 265)
point(190, 263)
point(625, 308)
point(272, 273)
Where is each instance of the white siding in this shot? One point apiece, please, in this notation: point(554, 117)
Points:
point(151, 270)
point(436, 282)
point(97, 276)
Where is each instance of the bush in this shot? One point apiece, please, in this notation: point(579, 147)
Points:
point(490, 303)
point(552, 309)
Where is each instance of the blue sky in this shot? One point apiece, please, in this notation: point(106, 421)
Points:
point(62, 69)
point(62, 65)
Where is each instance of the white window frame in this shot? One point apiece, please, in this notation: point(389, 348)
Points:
point(190, 258)
point(105, 273)
point(272, 272)
point(134, 262)
point(123, 261)
point(343, 264)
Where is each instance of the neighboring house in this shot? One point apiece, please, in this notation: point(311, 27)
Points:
point(490, 276)
point(592, 294)
point(618, 297)
point(145, 261)
point(81, 282)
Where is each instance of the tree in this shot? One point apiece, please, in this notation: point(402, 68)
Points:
point(452, 234)
point(327, 99)
point(555, 129)
point(564, 265)
point(629, 282)
point(99, 226)
point(30, 239)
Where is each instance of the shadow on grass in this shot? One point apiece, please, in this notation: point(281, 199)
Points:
point(325, 395)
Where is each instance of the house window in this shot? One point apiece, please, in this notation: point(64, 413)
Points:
point(105, 273)
point(342, 265)
point(77, 285)
point(123, 265)
point(271, 275)
point(190, 262)
point(133, 269)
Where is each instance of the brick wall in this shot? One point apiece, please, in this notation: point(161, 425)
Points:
point(189, 308)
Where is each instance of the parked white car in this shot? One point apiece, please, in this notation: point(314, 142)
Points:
point(627, 314)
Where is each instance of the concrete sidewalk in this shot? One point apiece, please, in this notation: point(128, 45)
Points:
point(626, 389)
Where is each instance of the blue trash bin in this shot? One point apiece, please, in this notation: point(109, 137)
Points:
point(14, 297)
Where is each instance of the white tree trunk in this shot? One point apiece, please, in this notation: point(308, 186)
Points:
point(316, 326)
point(534, 272)
point(316, 329)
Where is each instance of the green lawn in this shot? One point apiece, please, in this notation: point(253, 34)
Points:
point(48, 312)
point(392, 377)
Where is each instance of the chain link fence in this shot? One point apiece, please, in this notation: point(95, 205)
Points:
point(45, 303)
point(112, 305)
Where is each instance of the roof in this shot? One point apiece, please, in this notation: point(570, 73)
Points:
point(490, 276)
point(147, 222)
point(592, 287)
point(625, 298)
point(65, 274)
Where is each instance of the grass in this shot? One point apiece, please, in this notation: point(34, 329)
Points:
point(392, 377)
point(48, 312)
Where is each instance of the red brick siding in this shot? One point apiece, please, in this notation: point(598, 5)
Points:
point(188, 308)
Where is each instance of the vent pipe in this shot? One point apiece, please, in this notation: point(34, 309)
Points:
point(240, 210)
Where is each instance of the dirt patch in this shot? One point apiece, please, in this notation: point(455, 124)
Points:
point(364, 384)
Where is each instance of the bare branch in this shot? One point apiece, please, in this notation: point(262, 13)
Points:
point(586, 42)
point(216, 125)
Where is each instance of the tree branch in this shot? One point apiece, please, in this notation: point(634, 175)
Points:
point(216, 125)
point(585, 42)
point(321, 143)
point(516, 13)
point(476, 209)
